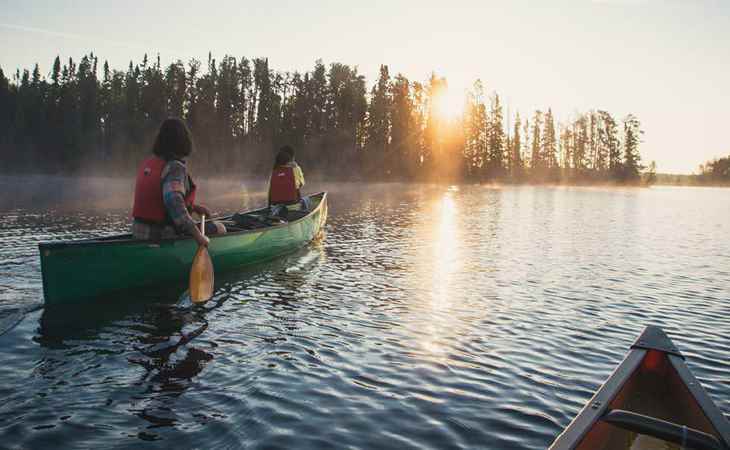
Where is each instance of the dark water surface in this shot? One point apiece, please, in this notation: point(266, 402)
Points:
point(424, 317)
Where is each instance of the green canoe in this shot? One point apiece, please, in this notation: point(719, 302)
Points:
point(83, 270)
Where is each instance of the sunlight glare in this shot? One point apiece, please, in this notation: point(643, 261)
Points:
point(449, 104)
point(446, 263)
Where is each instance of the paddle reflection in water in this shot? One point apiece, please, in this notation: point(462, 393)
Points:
point(148, 331)
point(171, 362)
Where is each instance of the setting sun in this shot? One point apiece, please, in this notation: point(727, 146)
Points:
point(448, 104)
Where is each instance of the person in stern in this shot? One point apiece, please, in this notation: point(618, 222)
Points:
point(285, 184)
point(164, 193)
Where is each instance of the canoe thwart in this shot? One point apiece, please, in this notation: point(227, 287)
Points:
point(667, 431)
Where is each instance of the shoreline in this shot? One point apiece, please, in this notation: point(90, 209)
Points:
point(318, 178)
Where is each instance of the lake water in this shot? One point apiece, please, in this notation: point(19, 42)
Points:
point(424, 317)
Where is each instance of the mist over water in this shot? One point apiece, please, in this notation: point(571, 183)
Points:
point(104, 194)
point(426, 316)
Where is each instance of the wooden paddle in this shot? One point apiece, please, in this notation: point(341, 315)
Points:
point(201, 272)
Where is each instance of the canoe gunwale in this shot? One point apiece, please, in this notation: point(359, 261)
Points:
point(127, 239)
point(652, 338)
point(597, 406)
point(713, 414)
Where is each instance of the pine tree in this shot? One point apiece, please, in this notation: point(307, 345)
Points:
point(175, 89)
point(536, 161)
point(420, 113)
point(601, 145)
point(517, 165)
point(611, 143)
point(378, 119)
point(264, 124)
point(338, 105)
point(300, 131)
point(580, 149)
point(549, 143)
point(133, 113)
point(475, 148)
point(567, 145)
point(152, 97)
point(88, 103)
point(593, 141)
point(495, 145)
point(240, 109)
point(318, 99)
point(632, 139)
point(228, 95)
point(358, 93)
point(401, 126)
point(435, 149)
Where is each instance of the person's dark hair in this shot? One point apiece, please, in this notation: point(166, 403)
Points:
point(174, 140)
point(282, 158)
point(287, 149)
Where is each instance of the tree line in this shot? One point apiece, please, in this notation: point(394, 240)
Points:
point(715, 172)
point(86, 117)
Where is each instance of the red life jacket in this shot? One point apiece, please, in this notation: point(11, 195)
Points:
point(283, 188)
point(149, 206)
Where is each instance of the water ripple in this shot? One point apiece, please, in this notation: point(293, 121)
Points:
point(424, 317)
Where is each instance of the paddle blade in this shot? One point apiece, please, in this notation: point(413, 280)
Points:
point(201, 277)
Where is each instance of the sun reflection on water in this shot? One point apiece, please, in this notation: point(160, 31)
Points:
point(445, 252)
point(440, 323)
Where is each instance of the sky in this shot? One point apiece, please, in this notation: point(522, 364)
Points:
point(666, 61)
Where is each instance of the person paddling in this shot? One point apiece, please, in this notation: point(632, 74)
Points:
point(285, 183)
point(164, 194)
